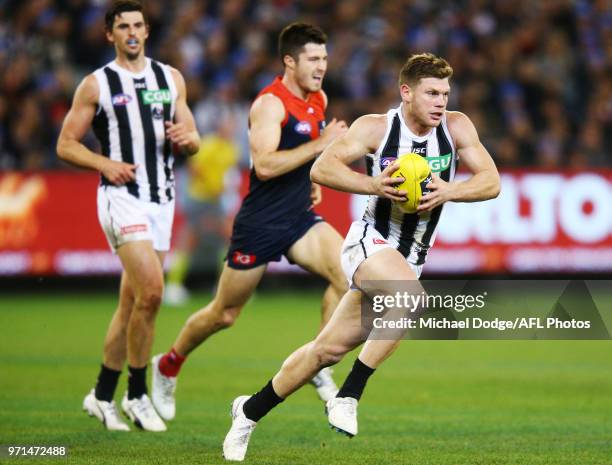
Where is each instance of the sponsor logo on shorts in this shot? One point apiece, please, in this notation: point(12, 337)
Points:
point(242, 258)
point(376, 240)
point(121, 99)
point(303, 127)
point(386, 161)
point(133, 228)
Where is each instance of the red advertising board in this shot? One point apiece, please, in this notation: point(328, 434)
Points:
point(542, 222)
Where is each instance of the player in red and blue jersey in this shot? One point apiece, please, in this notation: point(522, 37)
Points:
point(287, 132)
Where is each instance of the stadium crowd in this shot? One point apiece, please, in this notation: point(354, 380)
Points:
point(535, 77)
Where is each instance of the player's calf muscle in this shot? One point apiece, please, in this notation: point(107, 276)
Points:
point(327, 354)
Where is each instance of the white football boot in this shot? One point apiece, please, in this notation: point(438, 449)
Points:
point(324, 384)
point(237, 438)
point(142, 413)
point(175, 295)
point(104, 411)
point(342, 415)
point(162, 391)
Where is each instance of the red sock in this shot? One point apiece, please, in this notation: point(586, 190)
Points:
point(170, 364)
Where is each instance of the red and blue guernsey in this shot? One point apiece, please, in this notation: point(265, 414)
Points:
point(281, 200)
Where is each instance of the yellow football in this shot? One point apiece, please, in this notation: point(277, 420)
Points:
point(417, 174)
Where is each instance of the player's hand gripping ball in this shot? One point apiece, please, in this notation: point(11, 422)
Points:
point(417, 174)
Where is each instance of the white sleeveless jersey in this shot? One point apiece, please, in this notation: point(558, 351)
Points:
point(412, 234)
point(129, 124)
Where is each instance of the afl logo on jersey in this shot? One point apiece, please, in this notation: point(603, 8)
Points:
point(303, 127)
point(121, 99)
point(384, 162)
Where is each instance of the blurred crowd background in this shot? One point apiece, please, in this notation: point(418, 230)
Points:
point(534, 76)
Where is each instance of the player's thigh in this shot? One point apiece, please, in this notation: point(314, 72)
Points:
point(142, 265)
point(318, 251)
point(126, 293)
point(385, 265)
point(126, 290)
point(237, 285)
point(344, 330)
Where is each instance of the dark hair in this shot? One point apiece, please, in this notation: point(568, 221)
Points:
point(293, 37)
point(121, 6)
point(424, 65)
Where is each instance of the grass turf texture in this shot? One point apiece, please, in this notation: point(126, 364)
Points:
point(433, 402)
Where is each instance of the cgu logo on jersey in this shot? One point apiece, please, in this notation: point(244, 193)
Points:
point(121, 99)
point(149, 97)
point(386, 161)
point(303, 127)
point(441, 163)
point(243, 259)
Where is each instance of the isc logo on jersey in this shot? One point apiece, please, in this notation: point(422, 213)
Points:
point(303, 127)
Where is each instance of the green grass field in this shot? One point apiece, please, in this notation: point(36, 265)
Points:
point(433, 402)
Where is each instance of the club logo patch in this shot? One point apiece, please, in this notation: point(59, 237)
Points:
point(121, 99)
point(424, 183)
point(303, 127)
point(157, 112)
point(243, 259)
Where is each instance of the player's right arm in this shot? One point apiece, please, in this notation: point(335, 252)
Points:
point(77, 122)
point(332, 168)
point(266, 117)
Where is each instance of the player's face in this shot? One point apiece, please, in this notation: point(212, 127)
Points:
point(427, 100)
point(129, 34)
point(311, 66)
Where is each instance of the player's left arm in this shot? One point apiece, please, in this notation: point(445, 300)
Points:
point(484, 184)
point(182, 131)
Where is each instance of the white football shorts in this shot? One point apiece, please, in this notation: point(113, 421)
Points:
point(363, 241)
point(124, 218)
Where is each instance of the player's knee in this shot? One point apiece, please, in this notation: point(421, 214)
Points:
point(228, 317)
point(150, 299)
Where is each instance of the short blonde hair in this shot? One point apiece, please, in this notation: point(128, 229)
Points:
point(424, 65)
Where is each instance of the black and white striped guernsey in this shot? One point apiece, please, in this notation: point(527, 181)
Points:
point(129, 124)
point(412, 234)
